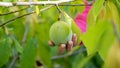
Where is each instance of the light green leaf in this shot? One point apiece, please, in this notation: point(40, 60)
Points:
point(4, 50)
point(27, 59)
point(93, 35)
point(37, 10)
point(105, 42)
point(114, 14)
point(94, 12)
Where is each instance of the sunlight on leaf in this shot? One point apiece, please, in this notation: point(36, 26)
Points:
point(114, 14)
point(113, 60)
point(94, 12)
point(93, 35)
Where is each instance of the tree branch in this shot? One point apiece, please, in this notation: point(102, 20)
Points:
point(8, 4)
point(13, 12)
point(24, 15)
point(69, 54)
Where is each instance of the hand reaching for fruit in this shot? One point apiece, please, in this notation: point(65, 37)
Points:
point(61, 35)
point(68, 46)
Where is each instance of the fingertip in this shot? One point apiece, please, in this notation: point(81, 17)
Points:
point(51, 43)
point(69, 46)
point(61, 48)
point(74, 39)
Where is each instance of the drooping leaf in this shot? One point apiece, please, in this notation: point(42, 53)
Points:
point(27, 59)
point(105, 42)
point(114, 14)
point(5, 50)
point(94, 12)
point(92, 36)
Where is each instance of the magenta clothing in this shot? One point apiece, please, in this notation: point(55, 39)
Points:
point(81, 19)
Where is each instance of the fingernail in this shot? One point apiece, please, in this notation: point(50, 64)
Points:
point(61, 48)
point(51, 43)
point(74, 39)
point(69, 46)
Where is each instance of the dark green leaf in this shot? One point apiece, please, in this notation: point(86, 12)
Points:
point(17, 45)
point(4, 50)
point(42, 34)
point(27, 59)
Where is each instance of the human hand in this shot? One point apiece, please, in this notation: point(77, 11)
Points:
point(67, 46)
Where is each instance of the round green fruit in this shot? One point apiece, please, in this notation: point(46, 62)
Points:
point(60, 32)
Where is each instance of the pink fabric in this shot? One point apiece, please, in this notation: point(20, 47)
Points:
point(80, 19)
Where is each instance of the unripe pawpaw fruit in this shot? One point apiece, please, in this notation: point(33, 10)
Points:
point(60, 32)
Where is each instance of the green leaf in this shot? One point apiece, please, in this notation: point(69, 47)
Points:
point(37, 8)
point(94, 12)
point(74, 27)
point(44, 54)
point(27, 59)
point(114, 14)
point(42, 35)
point(113, 60)
point(17, 45)
point(105, 42)
point(92, 36)
point(4, 51)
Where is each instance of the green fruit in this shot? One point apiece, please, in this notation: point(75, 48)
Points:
point(60, 32)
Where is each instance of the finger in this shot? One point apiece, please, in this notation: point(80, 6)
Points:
point(51, 43)
point(61, 48)
point(81, 43)
point(69, 46)
point(74, 39)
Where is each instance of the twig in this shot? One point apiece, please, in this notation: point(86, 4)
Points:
point(13, 12)
point(24, 15)
point(69, 54)
point(74, 4)
point(13, 61)
point(60, 11)
point(26, 26)
point(8, 4)
point(15, 18)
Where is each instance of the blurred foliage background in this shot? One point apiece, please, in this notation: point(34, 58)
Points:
point(24, 41)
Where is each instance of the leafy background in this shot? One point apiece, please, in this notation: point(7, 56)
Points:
point(24, 41)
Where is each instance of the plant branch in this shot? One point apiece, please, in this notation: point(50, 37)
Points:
point(26, 26)
point(13, 61)
point(8, 4)
point(15, 18)
point(74, 4)
point(24, 15)
point(13, 12)
point(69, 54)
